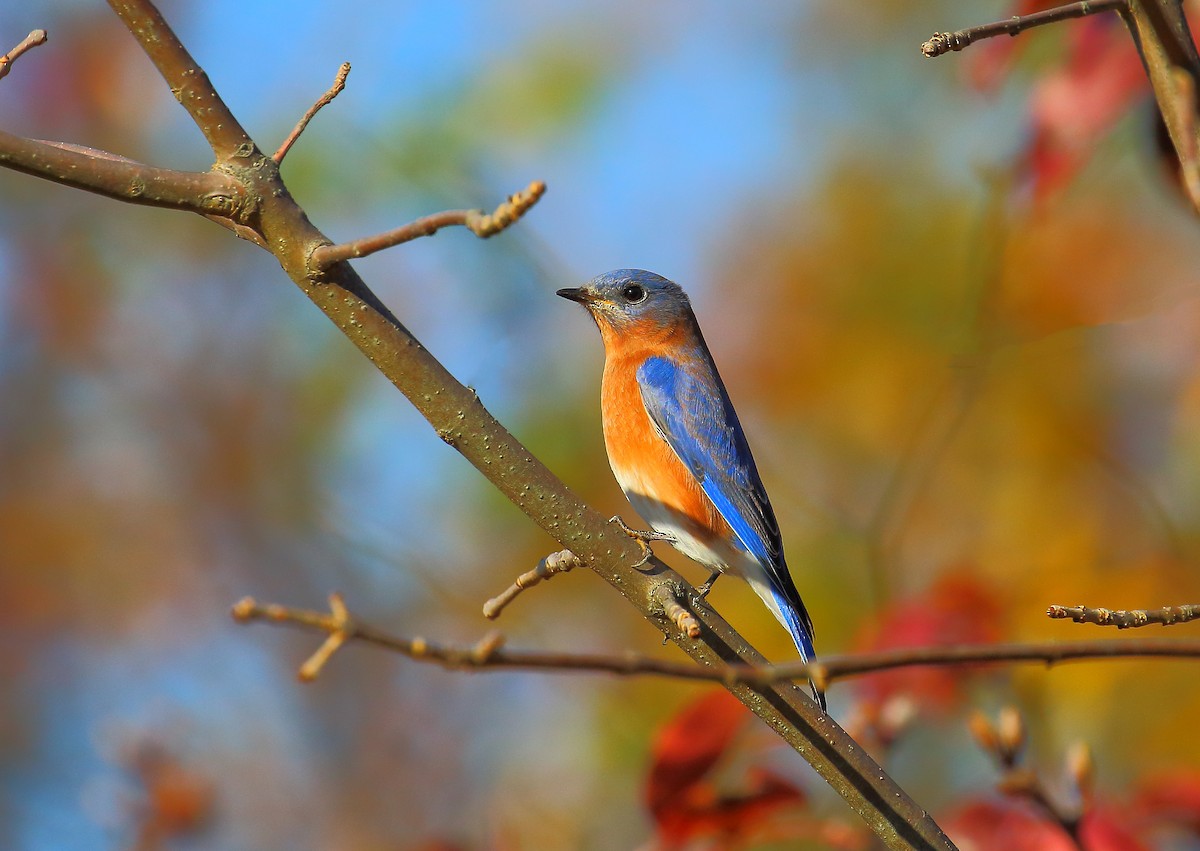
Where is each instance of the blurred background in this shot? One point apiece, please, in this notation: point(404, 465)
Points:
point(953, 300)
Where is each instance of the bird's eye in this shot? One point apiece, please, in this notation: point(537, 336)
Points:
point(634, 294)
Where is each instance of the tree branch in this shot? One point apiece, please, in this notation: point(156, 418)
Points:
point(825, 670)
point(35, 38)
point(1127, 618)
point(481, 224)
point(186, 79)
point(339, 83)
point(206, 193)
point(942, 43)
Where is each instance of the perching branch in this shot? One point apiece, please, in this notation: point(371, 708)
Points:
point(479, 223)
point(942, 43)
point(246, 188)
point(339, 83)
point(339, 623)
point(30, 41)
point(1127, 618)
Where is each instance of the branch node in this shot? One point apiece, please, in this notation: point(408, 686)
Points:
point(244, 610)
point(562, 561)
point(340, 626)
point(339, 83)
point(684, 620)
point(485, 225)
point(486, 648)
point(34, 39)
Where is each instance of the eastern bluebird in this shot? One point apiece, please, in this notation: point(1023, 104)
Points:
point(675, 444)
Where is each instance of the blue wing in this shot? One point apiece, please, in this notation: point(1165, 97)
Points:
point(690, 408)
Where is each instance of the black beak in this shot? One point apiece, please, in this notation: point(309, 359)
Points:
point(578, 294)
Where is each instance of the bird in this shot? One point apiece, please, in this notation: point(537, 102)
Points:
point(676, 446)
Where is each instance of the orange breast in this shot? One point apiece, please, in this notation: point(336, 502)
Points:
point(642, 461)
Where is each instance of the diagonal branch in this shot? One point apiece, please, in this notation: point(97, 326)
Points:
point(479, 223)
point(344, 627)
point(186, 79)
point(339, 83)
point(34, 39)
point(943, 43)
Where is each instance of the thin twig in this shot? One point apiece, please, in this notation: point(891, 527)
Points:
point(479, 223)
point(1127, 618)
point(339, 626)
point(822, 671)
point(562, 561)
point(1004, 742)
point(35, 38)
point(941, 43)
point(339, 83)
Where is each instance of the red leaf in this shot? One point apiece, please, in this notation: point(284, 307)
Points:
point(680, 793)
point(1072, 106)
point(956, 609)
point(1075, 103)
point(1173, 798)
point(1001, 825)
point(690, 744)
point(1099, 831)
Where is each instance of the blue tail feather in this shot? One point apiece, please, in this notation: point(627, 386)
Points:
point(802, 636)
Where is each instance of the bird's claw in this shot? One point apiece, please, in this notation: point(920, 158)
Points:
point(642, 537)
point(702, 590)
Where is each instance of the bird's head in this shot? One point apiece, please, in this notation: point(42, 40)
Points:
point(633, 301)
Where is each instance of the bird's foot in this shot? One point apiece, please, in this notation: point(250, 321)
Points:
point(702, 590)
point(642, 537)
